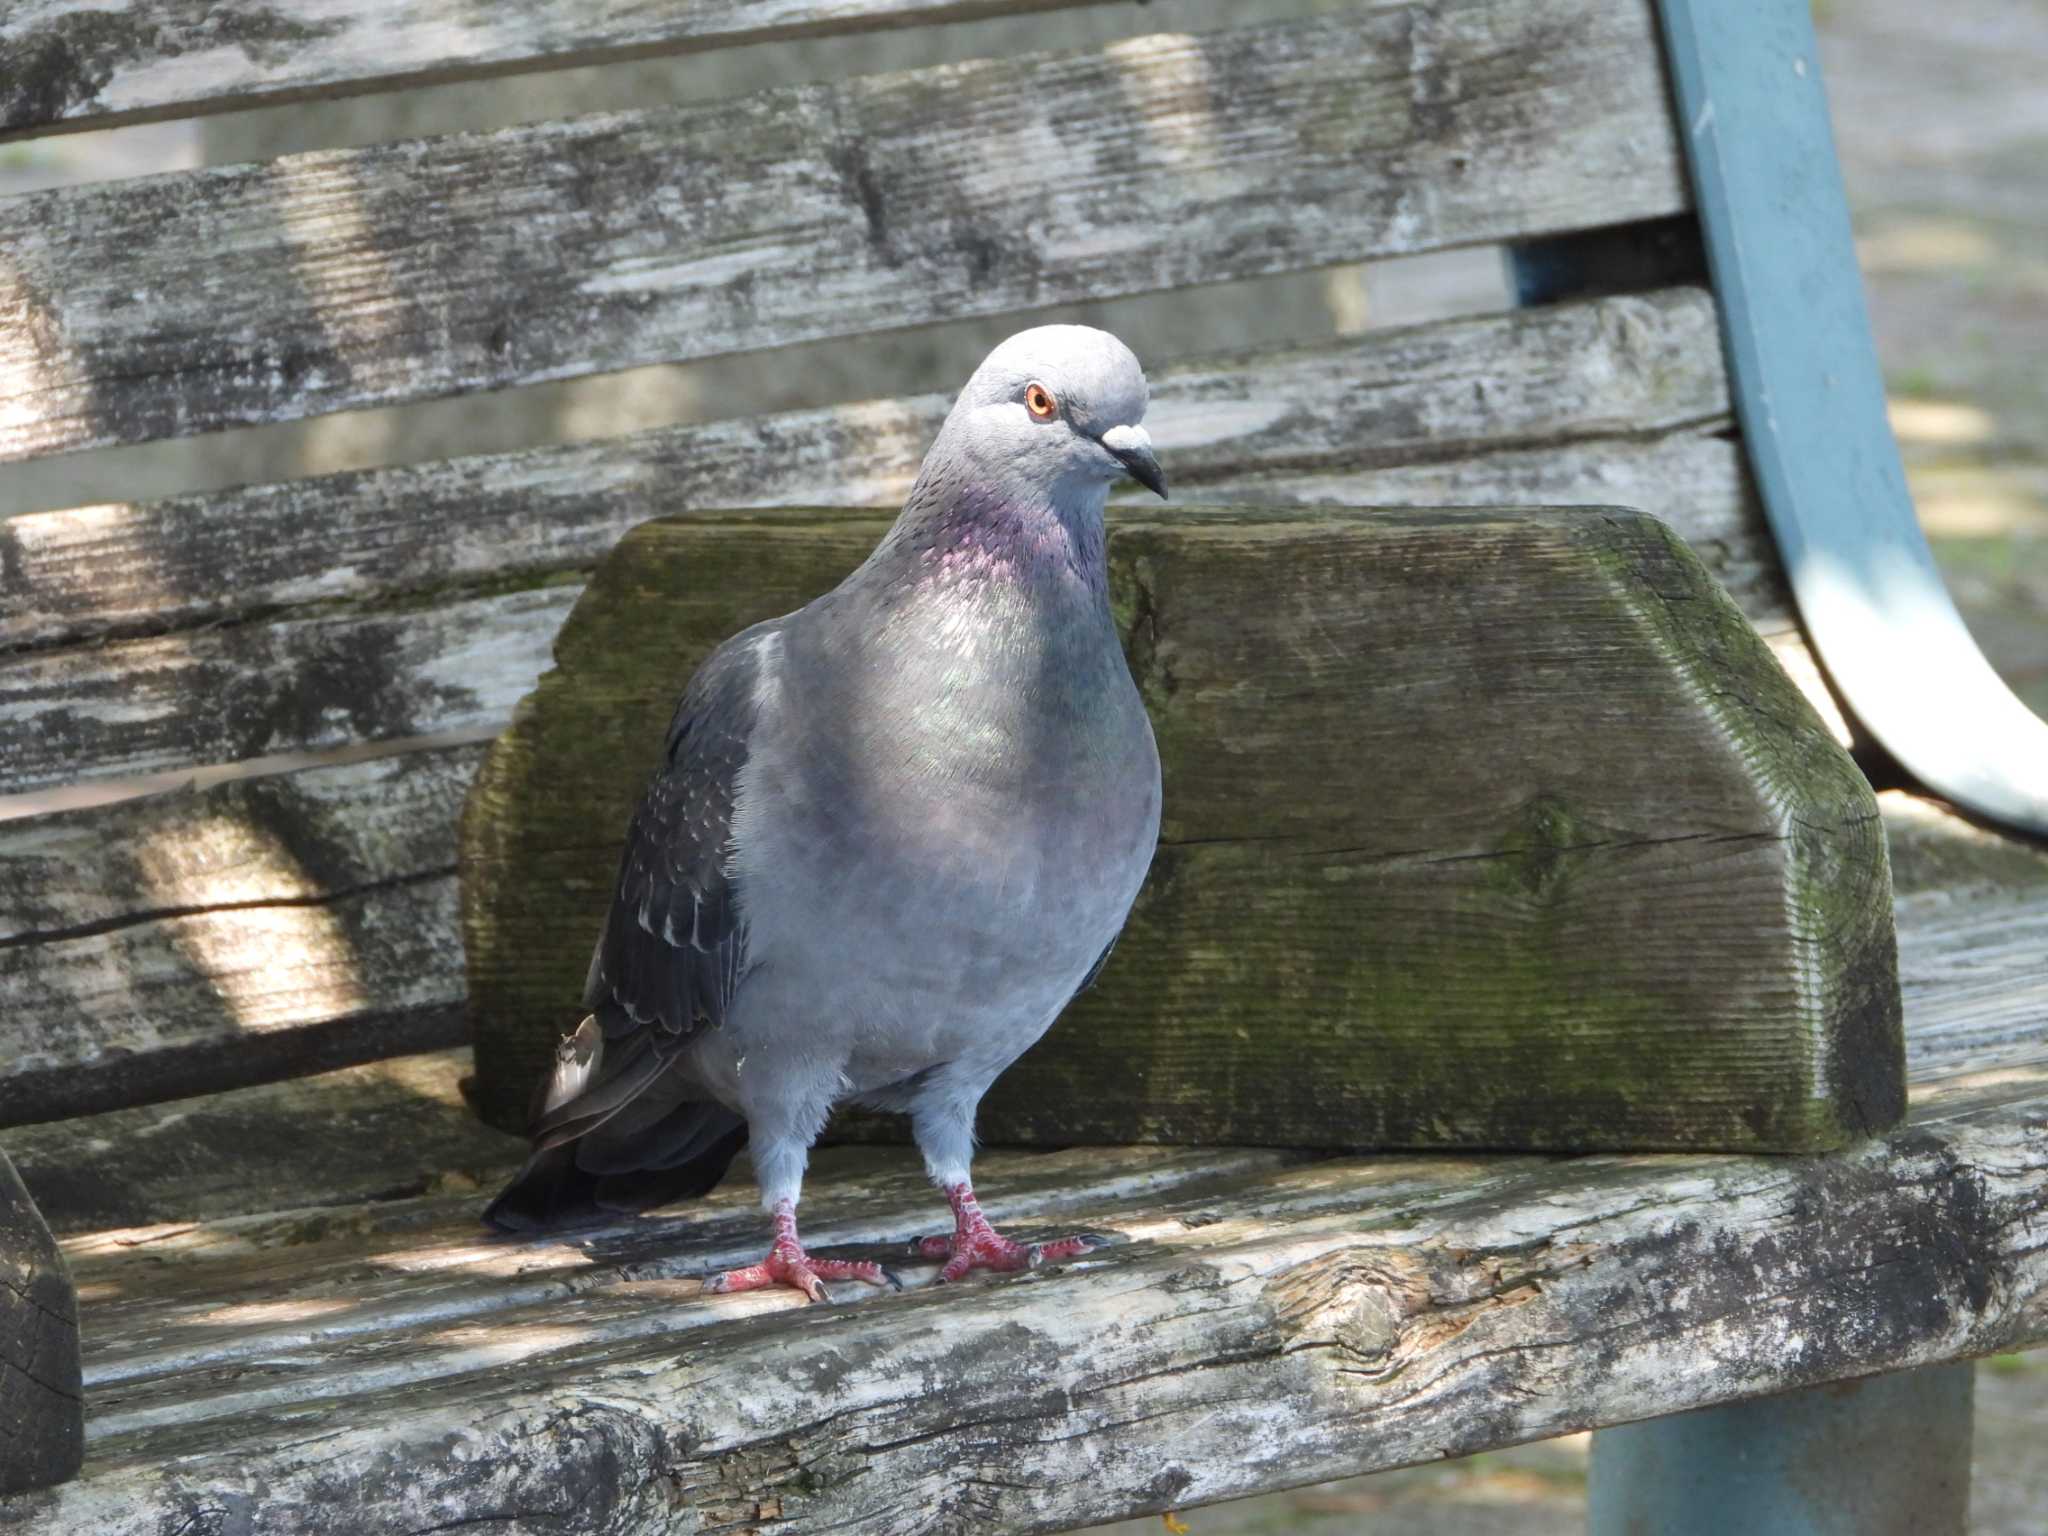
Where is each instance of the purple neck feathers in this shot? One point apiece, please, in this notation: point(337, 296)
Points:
point(975, 536)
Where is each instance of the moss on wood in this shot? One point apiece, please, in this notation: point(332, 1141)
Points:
point(1482, 829)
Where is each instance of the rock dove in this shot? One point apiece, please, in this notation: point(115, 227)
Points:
point(893, 835)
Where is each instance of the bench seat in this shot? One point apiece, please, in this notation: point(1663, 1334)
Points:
point(315, 1334)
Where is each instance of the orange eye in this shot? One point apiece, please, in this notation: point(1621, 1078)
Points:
point(1039, 402)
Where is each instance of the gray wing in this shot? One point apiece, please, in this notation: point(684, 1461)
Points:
point(673, 950)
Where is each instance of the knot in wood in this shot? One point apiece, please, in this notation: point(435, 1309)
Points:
point(1355, 1303)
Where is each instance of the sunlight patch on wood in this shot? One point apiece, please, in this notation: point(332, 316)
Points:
point(494, 1345)
point(243, 1314)
point(1166, 81)
point(1799, 664)
point(501, 1258)
point(273, 965)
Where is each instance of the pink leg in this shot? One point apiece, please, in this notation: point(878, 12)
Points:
point(788, 1264)
point(977, 1245)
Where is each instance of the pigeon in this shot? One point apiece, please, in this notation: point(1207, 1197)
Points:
point(894, 833)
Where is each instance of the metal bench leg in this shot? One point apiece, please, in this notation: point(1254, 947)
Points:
point(1886, 1456)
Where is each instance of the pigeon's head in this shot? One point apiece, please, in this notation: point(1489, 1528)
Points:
point(1059, 405)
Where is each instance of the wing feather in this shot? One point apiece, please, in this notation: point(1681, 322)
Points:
point(672, 955)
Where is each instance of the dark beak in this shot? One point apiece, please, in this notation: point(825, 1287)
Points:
point(1133, 449)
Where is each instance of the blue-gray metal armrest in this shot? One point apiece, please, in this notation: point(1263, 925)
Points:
point(1807, 388)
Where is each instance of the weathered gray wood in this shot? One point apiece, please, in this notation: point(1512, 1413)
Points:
point(1973, 937)
point(66, 66)
point(1441, 412)
point(258, 929)
point(357, 674)
point(322, 282)
point(42, 1399)
point(108, 977)
point(1352, 1319)
point(434, 662)
point(1535, 847)
point(373, 595)
point(369, 1136)
point(1390, 411)
point(1331, 1316)
point(367, 1277)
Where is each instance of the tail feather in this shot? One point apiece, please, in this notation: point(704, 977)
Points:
point(614, 1135)
point(555, 1189)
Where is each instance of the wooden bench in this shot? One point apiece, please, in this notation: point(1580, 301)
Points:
point(234, 1015)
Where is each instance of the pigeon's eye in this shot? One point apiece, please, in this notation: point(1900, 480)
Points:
point(1039, 402)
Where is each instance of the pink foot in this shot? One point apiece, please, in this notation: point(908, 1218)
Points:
point(977, 1245)
point(788, 1264)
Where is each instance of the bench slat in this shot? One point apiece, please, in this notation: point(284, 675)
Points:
point(224, 694)
point(243, 294)
point(1347, 1315)
point(220, 696)
point(380, 672)
point(344, 1153)
point(68, 66)
point(315, 585)
point(261, 928)
point(356, 583)
point(1337, 1318)
point(1420, 397)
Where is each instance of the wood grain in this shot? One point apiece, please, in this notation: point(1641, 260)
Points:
point(320, 613)
point(383, 1135)
point(1339, 1316)
point(323, 679)
point(1258, 1327)
point(1488, 407)
point(1521, 839)
point(42, 1399)
point(65, 67)
point(414, 600)
point(262, 928)
point(325, 675)
point(331, 281)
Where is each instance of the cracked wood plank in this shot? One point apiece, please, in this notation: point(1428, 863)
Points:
point(1545, 851)
point(235, 295)
point(318, 679)
point(1483, 409)
point(1314, 1321)
point(65, 67)
point(261, 928)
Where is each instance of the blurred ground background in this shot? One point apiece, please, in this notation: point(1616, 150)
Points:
point(1941, 116)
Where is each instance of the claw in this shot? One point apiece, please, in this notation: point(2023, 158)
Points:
point(977, 1245)
point(788, 1264)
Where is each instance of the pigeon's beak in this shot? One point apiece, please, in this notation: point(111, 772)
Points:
point(1133, 449)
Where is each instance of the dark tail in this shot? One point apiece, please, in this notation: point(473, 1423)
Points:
point(680, 1157)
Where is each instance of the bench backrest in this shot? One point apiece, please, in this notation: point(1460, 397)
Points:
point(279, 923)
